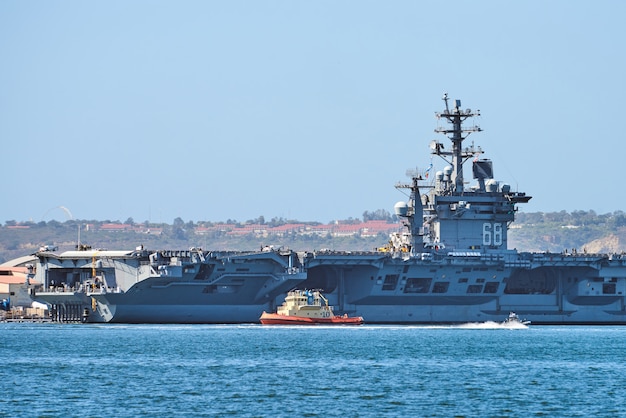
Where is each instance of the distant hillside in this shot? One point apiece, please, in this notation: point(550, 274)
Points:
point(607, 244)
point(555, 232)
point(614, 243)
point(578, 230)
point(17, 240)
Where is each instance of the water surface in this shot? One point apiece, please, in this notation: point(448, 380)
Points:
point(253, 370)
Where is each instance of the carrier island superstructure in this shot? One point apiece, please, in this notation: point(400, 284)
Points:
point(449, 264)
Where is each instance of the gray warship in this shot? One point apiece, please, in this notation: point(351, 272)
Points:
point(188, 286)
point(450, 264)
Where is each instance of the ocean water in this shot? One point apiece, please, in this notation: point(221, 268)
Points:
point(88, 370)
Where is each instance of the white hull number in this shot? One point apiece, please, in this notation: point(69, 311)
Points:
point(492, 234)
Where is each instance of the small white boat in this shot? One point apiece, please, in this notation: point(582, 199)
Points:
point(513, 320)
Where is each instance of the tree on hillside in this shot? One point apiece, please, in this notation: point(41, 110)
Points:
point(617, 220)
point(377, 215)
point(277, 221)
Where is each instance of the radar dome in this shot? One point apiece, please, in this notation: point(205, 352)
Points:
point(492, 185)
point(401, 208)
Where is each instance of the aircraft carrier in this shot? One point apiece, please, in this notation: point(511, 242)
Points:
point(450, 265)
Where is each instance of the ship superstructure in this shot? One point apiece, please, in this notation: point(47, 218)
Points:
point(450, 215)
point(452, 264)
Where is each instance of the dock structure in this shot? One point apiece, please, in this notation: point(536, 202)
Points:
point(21, 315)
point(67, 312)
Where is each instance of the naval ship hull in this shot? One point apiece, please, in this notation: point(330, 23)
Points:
point(444, 288)
point(165, 286)
point(461, 288)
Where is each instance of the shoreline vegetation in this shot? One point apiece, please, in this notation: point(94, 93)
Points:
point(538, 231)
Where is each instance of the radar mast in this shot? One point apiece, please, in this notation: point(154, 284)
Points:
point(457, 133)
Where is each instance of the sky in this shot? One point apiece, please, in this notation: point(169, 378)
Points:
point(307, 110)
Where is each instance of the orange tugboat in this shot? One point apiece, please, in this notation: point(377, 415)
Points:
point(305, 307)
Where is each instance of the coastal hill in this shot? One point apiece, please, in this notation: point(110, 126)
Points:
point(582, 231)
point(614, 243)
point(572, 231)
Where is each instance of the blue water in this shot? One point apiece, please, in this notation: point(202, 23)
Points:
point(53, 370)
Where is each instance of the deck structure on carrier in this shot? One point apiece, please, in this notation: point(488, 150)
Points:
point(141, 286)
point(450, 264)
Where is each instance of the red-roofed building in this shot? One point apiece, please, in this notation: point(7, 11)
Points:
point(247, 229)
point(13, 287)
point(373, 228)
point(116, 227)
point(287, 229)
point(319, 230)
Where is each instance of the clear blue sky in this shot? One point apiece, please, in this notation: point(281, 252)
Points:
point(216, 110)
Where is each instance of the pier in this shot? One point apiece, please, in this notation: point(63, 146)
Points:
point(67, 312)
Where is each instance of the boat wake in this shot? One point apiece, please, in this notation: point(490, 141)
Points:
point(492, 325)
